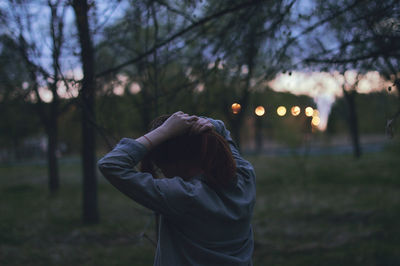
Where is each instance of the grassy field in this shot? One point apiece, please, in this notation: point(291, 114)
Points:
point(325, 210)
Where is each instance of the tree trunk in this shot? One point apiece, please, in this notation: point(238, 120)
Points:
point(52, 140)
point(239, 118)
point(87, 96)
point(236, 125)
point(353, 123)
point(146, 109)
point(15, 149)
point(259, 135)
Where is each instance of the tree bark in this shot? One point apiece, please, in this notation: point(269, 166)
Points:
point(87, 97)
point(259, 134)
point(235, 128)
point(52, 140)
point(353, 122)
point(17, 155)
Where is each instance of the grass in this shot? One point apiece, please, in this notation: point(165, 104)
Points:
point(326, 210)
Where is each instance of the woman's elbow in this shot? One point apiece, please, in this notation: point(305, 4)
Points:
point(111, 170)
point(103, 166)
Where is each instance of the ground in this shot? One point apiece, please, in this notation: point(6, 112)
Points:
point(315, 210)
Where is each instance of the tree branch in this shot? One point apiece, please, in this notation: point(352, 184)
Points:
point(372, 55)
point(174, 10)
point(180, 33)
point(318, 24)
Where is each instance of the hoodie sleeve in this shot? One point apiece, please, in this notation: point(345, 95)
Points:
point(118, 168)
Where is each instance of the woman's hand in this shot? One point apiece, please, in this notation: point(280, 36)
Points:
point(178, 124)
point(201, 125)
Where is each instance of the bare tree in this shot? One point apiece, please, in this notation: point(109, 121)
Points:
point(349, 88)
point(87, 99)
point(19, 21)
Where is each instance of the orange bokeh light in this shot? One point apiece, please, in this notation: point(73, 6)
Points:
point(295, 110)
point(309, 111)
point(260, 111)
point(236, 108)
point(281, 110)
point(315, 121)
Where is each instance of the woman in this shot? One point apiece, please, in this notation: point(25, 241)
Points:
point(207, 197)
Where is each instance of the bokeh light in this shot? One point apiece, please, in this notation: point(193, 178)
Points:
point(315, 121)
point(260, 111)
point(295, 110)
point(315, 113)
point(309, 111)
point(236, 108)
point(281, 111)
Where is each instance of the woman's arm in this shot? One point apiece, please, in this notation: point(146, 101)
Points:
point(118, 165)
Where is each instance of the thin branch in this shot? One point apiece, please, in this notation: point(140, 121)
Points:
point(174, 10)
point(113, 8)
point(318, 24)
point(371, 55)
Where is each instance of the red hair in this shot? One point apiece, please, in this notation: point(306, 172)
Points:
point(208, 150)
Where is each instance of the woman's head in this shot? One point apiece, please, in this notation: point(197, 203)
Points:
point(207, 153)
